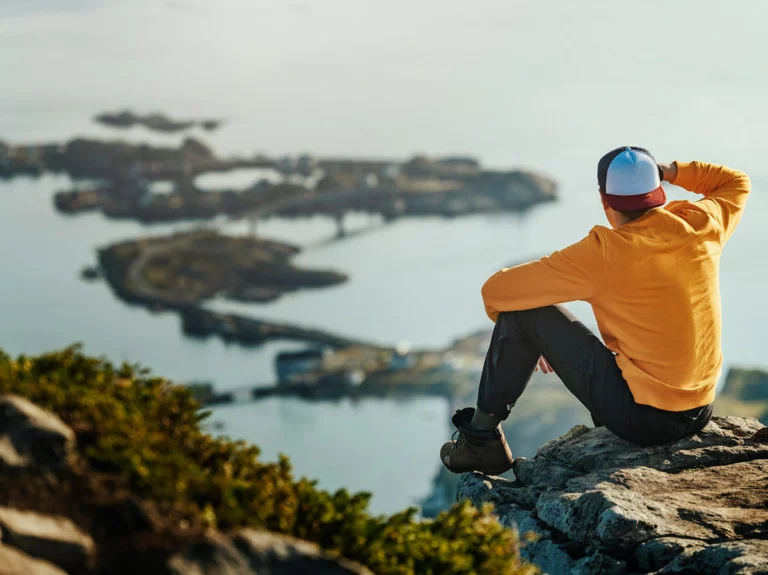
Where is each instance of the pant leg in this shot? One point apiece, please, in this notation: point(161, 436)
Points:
point(509, 365)
point(586, 367)
point(520, 338)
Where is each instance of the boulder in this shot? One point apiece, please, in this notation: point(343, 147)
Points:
point(32, 437)
point(599, 504)
point(252, 552)
point(723, 559)
point(14, 562)
point(54, 539)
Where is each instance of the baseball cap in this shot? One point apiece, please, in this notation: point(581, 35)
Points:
point(630, 179)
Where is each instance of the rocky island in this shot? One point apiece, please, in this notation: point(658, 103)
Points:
point(181, 271)
point(185, 269)
point(156, 121)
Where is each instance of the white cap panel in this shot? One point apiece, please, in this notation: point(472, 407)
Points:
point(632, 173)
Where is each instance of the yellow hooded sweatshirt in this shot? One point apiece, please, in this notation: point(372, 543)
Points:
point(653, 286)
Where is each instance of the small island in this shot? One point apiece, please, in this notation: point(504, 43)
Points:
point(155, 121)
point(184, 269)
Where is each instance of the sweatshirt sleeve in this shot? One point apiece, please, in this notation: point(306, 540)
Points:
point(725, 191)
point(571, 274)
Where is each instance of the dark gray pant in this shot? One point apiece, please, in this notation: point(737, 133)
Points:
point(586, 367)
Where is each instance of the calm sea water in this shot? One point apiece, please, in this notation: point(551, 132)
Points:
point(373, 79)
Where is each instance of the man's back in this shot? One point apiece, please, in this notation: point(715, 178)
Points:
point(652, 280)
point(653, 285)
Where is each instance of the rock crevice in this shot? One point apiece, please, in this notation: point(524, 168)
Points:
point(599, 504)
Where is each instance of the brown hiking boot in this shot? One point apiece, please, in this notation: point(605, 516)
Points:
point(476, 450)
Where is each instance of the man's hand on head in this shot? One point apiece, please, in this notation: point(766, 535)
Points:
point(669, 172)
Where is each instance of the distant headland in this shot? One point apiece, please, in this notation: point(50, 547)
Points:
point(155, 121)
point(117, 178)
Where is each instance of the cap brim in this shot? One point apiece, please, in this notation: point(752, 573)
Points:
point(652, 199)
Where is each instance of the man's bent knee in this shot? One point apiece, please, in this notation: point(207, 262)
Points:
point(532, 314)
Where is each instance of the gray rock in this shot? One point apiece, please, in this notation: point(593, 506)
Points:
point(734, 558)
point(598, 564)
point(524, 522)
point(32, 437)
point(54, 539)
point(612, 504)
point(481, 488)
point(513, 505)
point(550, 557)
point(583, 450)
point(251, 552)
point(14, 562)
point(654, 554)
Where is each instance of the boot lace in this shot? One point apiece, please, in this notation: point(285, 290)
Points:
point(458, 439)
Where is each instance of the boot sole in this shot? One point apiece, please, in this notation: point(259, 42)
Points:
point(487, 471)
point(496, 471)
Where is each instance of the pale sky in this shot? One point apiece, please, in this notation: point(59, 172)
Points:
point(515, 82)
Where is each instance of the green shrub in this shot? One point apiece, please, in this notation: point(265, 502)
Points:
point(148, 430)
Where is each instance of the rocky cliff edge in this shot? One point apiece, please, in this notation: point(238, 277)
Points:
point(596, 504)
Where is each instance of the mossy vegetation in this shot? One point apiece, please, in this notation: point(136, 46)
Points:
point(148, 431)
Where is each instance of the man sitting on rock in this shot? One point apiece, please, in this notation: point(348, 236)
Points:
point(652, 281)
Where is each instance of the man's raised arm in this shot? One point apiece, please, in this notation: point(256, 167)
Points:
point(725, 189)
point(571, 274)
